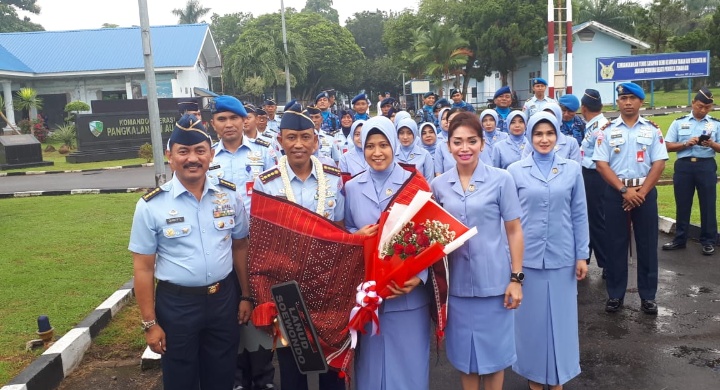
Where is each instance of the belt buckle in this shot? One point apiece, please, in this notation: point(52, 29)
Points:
point(212, 289)
point(693, 159)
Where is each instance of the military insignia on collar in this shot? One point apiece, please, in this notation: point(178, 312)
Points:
point(151, 194)
point(262, 142)
point(267, 176)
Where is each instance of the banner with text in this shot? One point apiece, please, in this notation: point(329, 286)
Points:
point(653, 66)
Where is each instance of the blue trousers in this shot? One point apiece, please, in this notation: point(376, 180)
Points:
point(595, 188)
point(292, 379)
point(202, 335)
point(688, 176)
point(645, 226)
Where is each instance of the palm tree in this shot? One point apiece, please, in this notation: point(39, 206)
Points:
point(192, 13)
point(442, 50)
point(618, 14)
point(26, 99)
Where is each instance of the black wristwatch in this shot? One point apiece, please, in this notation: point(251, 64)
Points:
point(623, 190)
point(517, 277)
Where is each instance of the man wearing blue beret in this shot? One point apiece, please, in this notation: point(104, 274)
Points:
point(572, 124)
point(502, 100)
point(537, 102)
point(189, 255)
point(630, 155)
point(595, 186)
point(458, 102)
point(331, 123)
point(328, 147)
point(386, 104)
point(427, 114)
point(361, 105)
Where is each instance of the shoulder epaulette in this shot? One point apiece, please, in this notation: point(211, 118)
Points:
point(605, 126)
point(714, 119)
point(262, 142)
point(331, 133)
point(215, 145)
point(681, 117)
point(151, 194)
point(267, 176)
point(331, 170)
point(227, 184)
point(654, 124)
point(528, 99)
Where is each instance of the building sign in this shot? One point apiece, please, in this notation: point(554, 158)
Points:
point(119, 129)
point(653, 66)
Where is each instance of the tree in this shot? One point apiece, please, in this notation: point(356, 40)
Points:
point(367, 28)
point(660, 22)
point(226, 29)
point(25, 5)
point(11, 22)
point(27, 99)
point(324, 8)
point(377, 75)
point(443, 52)
point(192, 13)
point(618, 14)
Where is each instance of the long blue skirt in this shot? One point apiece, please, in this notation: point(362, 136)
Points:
point(546, 327)
point(479, 335)
point(399, 357)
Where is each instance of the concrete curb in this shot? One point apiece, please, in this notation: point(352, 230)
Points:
point(58, 361)
point(29, 173)
point(78, 191)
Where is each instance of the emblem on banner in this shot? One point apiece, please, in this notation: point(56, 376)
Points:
point(607, 71)
point(96, 128)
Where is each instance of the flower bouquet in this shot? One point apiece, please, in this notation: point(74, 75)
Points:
point(412, 238)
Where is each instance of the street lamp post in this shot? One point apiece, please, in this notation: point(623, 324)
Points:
point(287, 56)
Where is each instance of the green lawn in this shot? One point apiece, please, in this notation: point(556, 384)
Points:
point(61, 256)
point(62, 165)
point(663, 99)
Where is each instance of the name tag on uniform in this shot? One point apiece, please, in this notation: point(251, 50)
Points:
point(175, 220)
point(685, 126)
point(645, 133)
point(213, 167)
point(616, 135)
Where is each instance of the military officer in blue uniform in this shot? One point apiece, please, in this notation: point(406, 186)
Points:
point(426, 113)
point(572, 125)
point(238, 159)
point(302, 179)
point(537, 102)
point(270, 108)
point(630, 156)
point(189, 106)
point(328, 148)
point(250, 125)
point(502, 100)
point(696, 139)
point(361, 106)
point(190, 235)
point(458, 102)
point(330, 121)
point(386, 105)
point(595, 186)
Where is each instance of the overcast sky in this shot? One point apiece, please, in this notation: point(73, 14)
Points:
point(86, 14)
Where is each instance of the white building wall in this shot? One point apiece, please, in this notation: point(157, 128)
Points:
point(189, 79)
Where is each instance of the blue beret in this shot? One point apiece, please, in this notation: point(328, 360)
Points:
point(187, 104)
point(359, 97)
point(428, 94)
point(631, 89)
point(229, 103)
point(453, 92)
point(539, 80)
point(441, 103)
point(269, 102)
point(321, 95)
point(387, 101)
point(501, 91)
point(188, 131)
point(290, 104)
point(312, 110)
point(293, 119)
point(591, 99)
point(570, 102)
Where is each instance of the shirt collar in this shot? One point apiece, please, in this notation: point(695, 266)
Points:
point(292, 175)
point(177, 188)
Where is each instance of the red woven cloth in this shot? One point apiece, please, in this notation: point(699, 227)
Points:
point(289, 242)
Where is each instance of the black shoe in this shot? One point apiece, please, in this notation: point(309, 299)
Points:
point(613, 304)
point(671, 246)
point(708, 250)
point(648, 306)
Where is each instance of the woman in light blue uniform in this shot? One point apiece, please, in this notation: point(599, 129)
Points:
point(484, 281)
point(493, 135)
point(555, 227)
point(428, 139)
point(563, 148)
point(399, 357)
point(409, 152)
point(511, 148)
point(443, 159)
point(353, 161)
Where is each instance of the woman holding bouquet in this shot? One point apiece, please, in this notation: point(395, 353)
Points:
point(399, 357)
point(552, 197)
point(484, 282)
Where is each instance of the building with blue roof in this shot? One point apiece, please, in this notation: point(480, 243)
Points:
point(590, 41)
point(105, 64)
